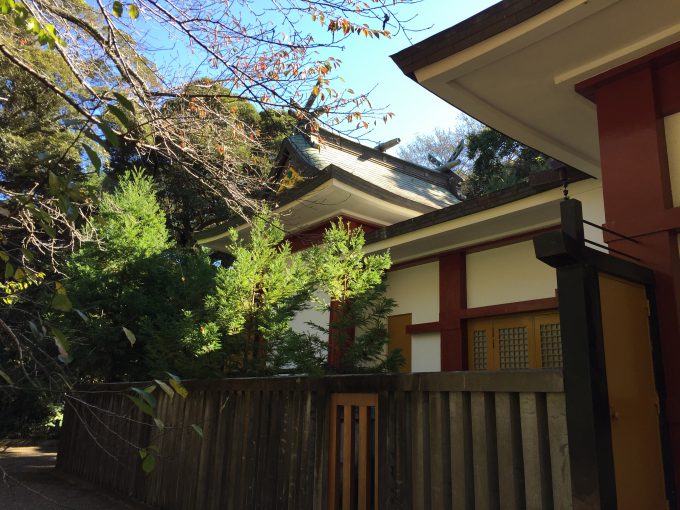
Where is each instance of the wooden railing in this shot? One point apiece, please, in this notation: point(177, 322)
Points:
point(443, 440)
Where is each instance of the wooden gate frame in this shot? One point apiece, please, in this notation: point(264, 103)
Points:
point(363, 401)
point(585, 381)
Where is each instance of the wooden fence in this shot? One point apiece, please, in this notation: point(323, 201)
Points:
point(459, 440)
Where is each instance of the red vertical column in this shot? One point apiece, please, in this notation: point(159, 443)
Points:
point(452, 299)
point(339, 338)
point(636, 184)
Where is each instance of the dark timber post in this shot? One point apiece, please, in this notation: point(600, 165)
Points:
point(585, 381)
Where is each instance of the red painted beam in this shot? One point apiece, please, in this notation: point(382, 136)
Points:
point(424, 327)
point(534, 305)
point(452, 299)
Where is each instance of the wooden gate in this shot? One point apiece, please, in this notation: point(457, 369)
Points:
point(633, 399)
point(353, 466)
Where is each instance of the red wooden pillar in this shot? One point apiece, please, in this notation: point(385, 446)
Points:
point(452, 299)
point(637, 193)
point(339, 339)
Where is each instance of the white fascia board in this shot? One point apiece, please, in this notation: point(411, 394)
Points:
point(554, 195)
point(510, 41)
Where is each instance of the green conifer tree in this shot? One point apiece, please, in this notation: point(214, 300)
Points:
point(141, 297)
point(355, 286)
point(256, 298)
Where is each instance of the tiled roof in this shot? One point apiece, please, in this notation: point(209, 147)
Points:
point(396, 176)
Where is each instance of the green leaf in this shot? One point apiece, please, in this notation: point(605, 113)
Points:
point(67, 208)
point(133, 11)
point(93, 157)
point(117, 9)
point(9, 270)
point(159, 423)
point(19, 274)
point(149, 463)
point(197, 429)
point(130, 336)
point(54, 182)
point(61, 302)
point(124, 102)
point(44, 38)
point(62, 344)
point(177, 386)
point(94, 138)
point(82, 315)
point(32, 25)
point(35, 330)
point(4, 256)
point(49, 229)
point(27, 254)
point(121, 116)
point(73, 122)
point(167, 389)
point(111, 137)
point(143, 453)
point(148, 397)
point(6, 378)
point(141, 405)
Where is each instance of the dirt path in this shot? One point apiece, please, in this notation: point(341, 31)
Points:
point(29, 481)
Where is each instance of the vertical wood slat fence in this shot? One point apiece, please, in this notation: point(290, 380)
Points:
point(462, 440)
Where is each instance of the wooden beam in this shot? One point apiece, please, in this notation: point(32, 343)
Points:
point(534, 305)
point(424, 327)
point(452, 299)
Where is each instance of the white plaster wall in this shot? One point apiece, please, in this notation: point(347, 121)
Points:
point(592, 203)
point(508, 274)
point(425, 353)
point(311, 314)
point(672, 125)
point(416, 291)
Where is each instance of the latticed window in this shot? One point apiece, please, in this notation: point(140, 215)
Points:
point(513, 347)
point(480, 350)
point(551, 345)
point(515, 342)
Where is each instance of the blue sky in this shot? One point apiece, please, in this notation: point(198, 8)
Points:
point(367, 64)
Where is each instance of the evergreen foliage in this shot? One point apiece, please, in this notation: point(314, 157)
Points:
point(490, 162)
point(498, 162)
point(131, 223)
point(81, 98)
point(141, 296)
point(230, 129)
point(32, 121)
point(355, 286)
point(256, 298)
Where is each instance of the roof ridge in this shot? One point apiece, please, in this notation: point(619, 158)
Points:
point(397, 164)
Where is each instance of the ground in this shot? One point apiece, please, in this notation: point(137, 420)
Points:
point(28, 480)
